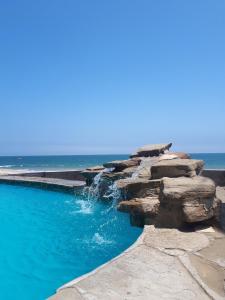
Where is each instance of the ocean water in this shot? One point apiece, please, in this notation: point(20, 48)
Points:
point(212, 161)
point(66, 162)
point(49, 238)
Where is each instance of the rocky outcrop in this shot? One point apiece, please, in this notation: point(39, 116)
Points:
point(186, 200)
point(181, 155)
point(174, 155)
point(144, 169)
point(176, 168)
point(143, 211)
point(151, 150)
point(95, 169)
point(138, 188)
point(158, 187)
point(120, 165)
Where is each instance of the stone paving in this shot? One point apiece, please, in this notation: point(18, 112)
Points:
point(162, 264)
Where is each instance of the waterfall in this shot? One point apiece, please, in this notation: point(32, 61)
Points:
point(100, 189)
point(143, 170)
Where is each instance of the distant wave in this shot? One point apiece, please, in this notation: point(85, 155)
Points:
point(11, 166)
point(7, 166)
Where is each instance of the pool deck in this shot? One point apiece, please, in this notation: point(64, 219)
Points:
point(162, 264)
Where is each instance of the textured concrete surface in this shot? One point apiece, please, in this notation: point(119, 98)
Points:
point(162, 264)
point(46, 183)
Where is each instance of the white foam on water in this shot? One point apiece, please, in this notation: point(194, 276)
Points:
point(85, 207)
point(100, 240)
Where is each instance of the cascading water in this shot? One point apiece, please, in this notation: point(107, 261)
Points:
point(101, 189)
point(95, 191)
point(144, 168)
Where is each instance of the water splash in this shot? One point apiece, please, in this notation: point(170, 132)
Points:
point(94, 189)
point(85, 207)
point(100, 240)
point(94, 192)
point(144, 167)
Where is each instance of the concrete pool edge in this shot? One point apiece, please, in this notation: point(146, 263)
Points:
point(53, 184)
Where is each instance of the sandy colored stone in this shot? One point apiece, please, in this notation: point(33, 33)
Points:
point(144, 169)
point(186, 199)
point(176, 168)
point(142, 210)
point(138, 188)
point(95, 168)
point(210, 273)
point(151, 269)
point(215, 252)
point(67, 294)
point(151, 150)
point(175, 239)
point(120, 165)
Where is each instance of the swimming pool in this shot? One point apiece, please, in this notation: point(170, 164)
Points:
point(49, 238)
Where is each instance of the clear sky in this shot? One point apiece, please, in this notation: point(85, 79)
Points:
point(98, 76)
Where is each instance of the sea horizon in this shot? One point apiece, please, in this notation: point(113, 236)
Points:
point(81, 161)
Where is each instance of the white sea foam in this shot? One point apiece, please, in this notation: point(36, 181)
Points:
point(7, 166)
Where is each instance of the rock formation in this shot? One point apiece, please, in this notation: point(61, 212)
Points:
point(151, 150)
point(159, 187)
point(176, 168)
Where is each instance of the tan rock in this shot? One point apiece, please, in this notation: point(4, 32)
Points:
point(151, 150)
point(95, 168)
point(181, 155)
point(174, 155)
point(120, 165)
point(176, 168)
point(142, 210)
point(138, 188)
point(186, 200)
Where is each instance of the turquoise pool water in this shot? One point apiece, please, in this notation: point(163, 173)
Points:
point(49, 238)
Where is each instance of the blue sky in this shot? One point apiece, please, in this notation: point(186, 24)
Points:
point(83, 77)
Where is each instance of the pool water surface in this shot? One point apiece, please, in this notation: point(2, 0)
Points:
point(49, 238)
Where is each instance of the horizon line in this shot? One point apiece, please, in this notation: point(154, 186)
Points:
point(104, 154)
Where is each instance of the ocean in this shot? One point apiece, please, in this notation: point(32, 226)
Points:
point(71, 162)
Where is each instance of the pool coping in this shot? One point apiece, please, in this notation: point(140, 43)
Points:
point(53, 184)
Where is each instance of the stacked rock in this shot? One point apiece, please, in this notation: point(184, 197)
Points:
point(162, 188)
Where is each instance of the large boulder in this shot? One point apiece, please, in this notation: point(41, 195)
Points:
point(176, 168)
point(174, 155)
point(186, 200)
point(95, 168)
point(151, 150)
point(113, 176)
point(138, 188)
point(181, 155)
point(120, 165)
point(143, 211)
point(144, 169)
